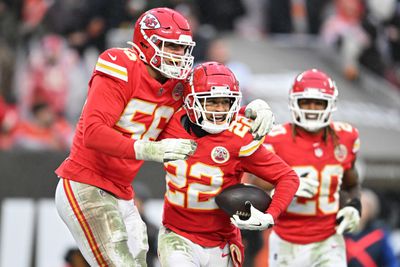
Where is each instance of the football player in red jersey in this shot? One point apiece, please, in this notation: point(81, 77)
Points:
point(195, 231)
point(323, 154)
point(132, 95)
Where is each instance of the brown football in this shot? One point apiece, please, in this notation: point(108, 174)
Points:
point(233, 200)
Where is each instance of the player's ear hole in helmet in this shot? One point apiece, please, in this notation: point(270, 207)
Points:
point(312, 99)
point(163, 39)
point(212, 97)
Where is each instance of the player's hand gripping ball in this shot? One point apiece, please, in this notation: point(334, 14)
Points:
point(233, 200)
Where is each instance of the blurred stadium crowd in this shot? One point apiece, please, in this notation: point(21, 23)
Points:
point(48, 49)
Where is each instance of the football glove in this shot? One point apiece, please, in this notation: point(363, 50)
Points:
point(348, 218)
point(308, 187)
point(165, 150)
point(258, 220)
point(263, 119)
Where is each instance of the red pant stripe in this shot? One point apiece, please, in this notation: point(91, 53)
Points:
point(84, 224)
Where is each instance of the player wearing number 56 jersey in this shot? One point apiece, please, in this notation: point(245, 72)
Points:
point(195, 231)
point(323, 154)
point(132, 95)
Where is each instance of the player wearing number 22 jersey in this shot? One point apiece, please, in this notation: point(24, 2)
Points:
point(225, 150)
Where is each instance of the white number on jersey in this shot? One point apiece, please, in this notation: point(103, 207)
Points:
point(140, 130)
point(327, 197)
point(188, 193)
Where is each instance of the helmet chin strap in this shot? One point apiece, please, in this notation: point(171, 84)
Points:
point(212, 128)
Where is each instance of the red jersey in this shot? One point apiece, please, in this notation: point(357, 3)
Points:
point(219, 161)
point(124, 104)
point(312, 220)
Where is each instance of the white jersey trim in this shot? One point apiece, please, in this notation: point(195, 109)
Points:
point(112, 69)
point(249, 149)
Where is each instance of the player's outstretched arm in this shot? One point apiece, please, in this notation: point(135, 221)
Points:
point(262, 118)
point(165, 150)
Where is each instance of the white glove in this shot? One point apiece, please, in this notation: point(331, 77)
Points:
point(308, 187)
point(165, 150)
point(263, 119)
point(258, 220)
point(350, 219)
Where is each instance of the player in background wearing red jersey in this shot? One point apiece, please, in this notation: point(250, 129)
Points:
point(195, 231)
point(132, 95)
point(323, 154)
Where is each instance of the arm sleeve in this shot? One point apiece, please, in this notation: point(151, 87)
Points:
point(271, 168)
point(102, 110)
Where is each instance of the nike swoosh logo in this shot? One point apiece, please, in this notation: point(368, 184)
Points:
point(258, 224)
point(112, 57)
point(224, 255)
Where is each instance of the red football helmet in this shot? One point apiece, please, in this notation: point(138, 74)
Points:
point(153, 30)
point(312, 84)
point(211, 80)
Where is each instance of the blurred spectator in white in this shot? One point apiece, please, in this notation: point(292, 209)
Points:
point(370, 245)
point(343, 30)
point(252, 24)
point(219, 51)
point(46, 76)
point(46, 131)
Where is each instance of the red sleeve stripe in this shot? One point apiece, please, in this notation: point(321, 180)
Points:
point(84, 224)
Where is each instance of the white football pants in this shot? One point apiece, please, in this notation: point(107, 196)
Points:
point(177, 251)
point(330, 252)
point(108, 231)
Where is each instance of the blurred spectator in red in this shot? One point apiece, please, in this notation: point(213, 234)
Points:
point(8, 122)
point(46, 131)
point(343, 30)
point(47, 75)
point(370, 245)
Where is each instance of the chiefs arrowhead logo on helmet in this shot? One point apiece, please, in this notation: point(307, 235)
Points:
point(149, 22)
